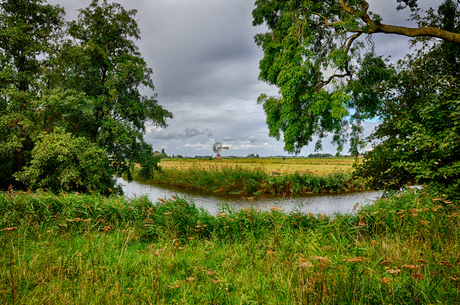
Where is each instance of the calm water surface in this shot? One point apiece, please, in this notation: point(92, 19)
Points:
point(317, 204)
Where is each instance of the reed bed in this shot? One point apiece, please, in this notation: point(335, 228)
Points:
point(70, 248)
point(237, 180)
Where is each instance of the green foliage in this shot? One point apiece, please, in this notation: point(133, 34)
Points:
point(418, 140)
point(82, 79)
point(107, 67)
point(304, 40)
point(416, 102)
point(27, 29)
point(72, 248)
point(61, 162)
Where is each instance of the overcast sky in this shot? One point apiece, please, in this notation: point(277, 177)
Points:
point(205, 71)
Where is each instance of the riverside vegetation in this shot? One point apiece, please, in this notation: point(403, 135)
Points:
point(259, 176)
point(72, 248)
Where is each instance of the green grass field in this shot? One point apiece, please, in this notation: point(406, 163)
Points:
point(87, 249)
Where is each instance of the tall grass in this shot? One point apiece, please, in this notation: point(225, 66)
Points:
point(243, 181)
point(67, 248)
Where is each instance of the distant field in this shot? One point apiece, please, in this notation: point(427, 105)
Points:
point(302, 165)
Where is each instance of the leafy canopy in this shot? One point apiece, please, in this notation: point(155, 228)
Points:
point(81, 81)
point(328, 78)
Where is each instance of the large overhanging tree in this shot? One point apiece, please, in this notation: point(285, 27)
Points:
point(312, 49)
point(320, 56)
point(71, 109)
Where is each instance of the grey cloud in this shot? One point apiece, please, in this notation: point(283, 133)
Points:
point(186, 134)
point(205, 65)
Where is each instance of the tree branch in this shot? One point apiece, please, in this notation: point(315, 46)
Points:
point(346, 8)
point(416, 32)
point(348, 73)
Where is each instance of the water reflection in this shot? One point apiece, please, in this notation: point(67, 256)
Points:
point(329, 204)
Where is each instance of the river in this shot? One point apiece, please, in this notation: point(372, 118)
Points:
point(316, 204)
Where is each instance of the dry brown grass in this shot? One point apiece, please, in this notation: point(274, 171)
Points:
point(302, 165)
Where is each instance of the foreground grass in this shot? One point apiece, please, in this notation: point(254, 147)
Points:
point(89, 249)
point(237, 180)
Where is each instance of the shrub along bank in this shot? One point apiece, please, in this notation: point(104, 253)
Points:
point(71, 248)
point(243, 181)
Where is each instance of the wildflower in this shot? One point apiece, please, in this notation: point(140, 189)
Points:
point(305, 264)
point(418, 276)
point(445, 263)
point(108, 228)
point(211, 272)
point(394, 271)
point(222, 214)
point(410, 267)
point(323, 259)
point(354, 260)
point(215, 281)
point(173, 286)
point(275, 209)
point(355, 206)
point(386, 280)
point(190, 279)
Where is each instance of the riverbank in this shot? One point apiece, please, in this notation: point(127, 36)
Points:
point(253, 180)
point(71, 248)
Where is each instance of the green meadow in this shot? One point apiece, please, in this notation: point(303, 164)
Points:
point(90, 249)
